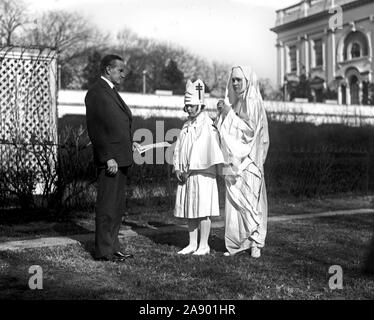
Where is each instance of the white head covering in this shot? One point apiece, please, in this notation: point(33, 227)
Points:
point(250, 103)
point(251, 86)
point(194, 92)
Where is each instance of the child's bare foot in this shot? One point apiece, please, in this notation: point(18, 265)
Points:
point(202, 251)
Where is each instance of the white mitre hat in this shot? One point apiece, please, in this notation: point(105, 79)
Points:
point(195, 92)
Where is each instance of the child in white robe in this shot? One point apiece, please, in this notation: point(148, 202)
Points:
point(196, 156)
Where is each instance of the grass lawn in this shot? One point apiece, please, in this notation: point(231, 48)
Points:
point(294, 265)
point(17, 225)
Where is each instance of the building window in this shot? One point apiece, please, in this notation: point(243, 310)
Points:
point(318, 53)
point(356, 45)
point(356, 50)
point(293, 58)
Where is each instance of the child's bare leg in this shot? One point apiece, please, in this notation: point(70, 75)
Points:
point(205, 225)
point(193, 234)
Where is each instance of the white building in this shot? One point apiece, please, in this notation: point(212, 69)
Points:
point(331, 43)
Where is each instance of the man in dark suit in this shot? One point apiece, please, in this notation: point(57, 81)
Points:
point(109, 128)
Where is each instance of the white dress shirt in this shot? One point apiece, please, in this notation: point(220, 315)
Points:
point(108, 82)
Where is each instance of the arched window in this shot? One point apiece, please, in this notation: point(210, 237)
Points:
point(355, 45)
point(356, 50)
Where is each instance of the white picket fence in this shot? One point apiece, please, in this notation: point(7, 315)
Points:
point(150, 105)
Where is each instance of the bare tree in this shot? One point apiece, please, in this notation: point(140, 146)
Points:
point(72, 36)
point(268, 92)
point(128, 39)
point(68, 32)
point(220, 75)
point(151, 55)
point(12, 17)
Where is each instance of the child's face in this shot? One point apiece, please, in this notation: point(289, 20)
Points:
point(192, 110)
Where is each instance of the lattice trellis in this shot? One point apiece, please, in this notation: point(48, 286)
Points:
point(28, 104)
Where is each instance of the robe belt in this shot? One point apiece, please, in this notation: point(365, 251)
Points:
point(203, 173)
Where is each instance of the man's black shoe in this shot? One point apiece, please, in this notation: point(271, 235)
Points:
point(123, 255)
point(103, 259)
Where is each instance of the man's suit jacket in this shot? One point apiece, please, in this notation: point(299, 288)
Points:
point(109, 122)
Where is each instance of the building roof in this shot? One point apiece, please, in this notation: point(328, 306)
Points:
point(296, 16)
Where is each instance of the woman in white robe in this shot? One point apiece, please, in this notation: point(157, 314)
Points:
point(196, 156)
point(243, 129)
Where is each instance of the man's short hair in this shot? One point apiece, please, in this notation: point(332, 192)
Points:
point(108, 61)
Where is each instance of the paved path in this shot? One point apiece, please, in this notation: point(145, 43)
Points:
point(126, 233)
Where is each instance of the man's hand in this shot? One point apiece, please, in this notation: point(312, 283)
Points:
point(112, 166)
point(182, 177)
point(179, 175)
point(185, 176)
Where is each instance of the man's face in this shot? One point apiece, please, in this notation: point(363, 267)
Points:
point(238, 80)
point(116, 72)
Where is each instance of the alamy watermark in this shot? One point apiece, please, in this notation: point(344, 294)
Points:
point(36, 280)
point(162, 155)
point(146, 137)
point(336, 20)
point(336, 280)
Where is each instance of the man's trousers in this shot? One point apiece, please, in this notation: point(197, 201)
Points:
point(110, 205)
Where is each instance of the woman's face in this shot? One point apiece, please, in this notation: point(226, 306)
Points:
point(192, 110)
point(238, 80)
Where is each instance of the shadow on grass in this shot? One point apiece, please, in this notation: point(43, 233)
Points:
point(177, 236)
point(39, 221)
point(18, 225)
point(58, 283)
point(14, 216)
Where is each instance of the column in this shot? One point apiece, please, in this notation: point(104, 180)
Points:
point(329, 55)
point(360, 92)
point(348, 94)
point(304, 8)
point(280, 15)
point(301, 56)
point(306, 54)
point(340, 97)
point(298, 62)
point(333, 53)
point(280, 63)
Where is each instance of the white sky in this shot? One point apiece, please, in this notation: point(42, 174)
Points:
point(232, 31)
